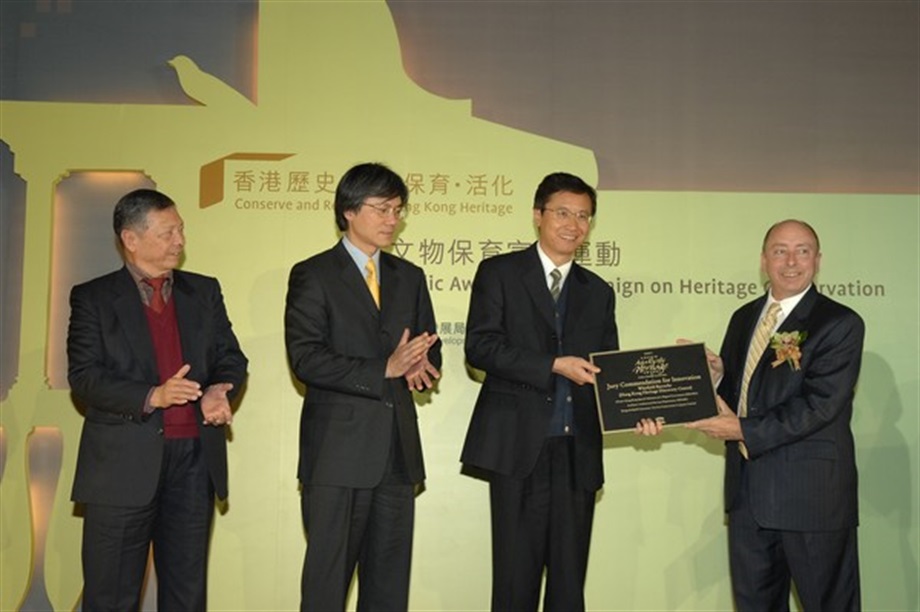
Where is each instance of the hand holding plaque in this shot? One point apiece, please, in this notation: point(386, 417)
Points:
point(671, 384)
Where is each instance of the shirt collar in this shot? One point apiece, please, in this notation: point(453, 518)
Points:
point(145, 290)
point(139, 276)
point(549, 266)
point(360, 257)
point(786, 304)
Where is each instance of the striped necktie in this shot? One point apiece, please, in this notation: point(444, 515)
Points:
point(556, 288)
point(755, 352)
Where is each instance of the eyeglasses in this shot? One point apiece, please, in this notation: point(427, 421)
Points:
point(398, 212)
point(564, 215)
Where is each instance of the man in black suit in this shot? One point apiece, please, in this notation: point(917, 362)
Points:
point(534, 317)
point(153, 361)
point(789, 364)
point(360, 334)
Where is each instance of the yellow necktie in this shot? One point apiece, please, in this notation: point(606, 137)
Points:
point(371, 280)
point(755, 352)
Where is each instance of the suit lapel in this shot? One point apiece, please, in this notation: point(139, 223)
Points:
point(746, 333)
point(130, 312)
point(800, 314)
point(389, 283)
point(577, 288)
point(352, 278)
point(794, 321)
point(188, 317)
point(742, 334)
point(535, 284)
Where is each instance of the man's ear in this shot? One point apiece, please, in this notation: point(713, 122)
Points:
point(129, 240)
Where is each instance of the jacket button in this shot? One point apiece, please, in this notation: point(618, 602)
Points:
point(160, 432)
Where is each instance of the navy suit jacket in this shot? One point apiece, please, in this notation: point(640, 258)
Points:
point(511, 335)
point(802, 467)
point(338, 344)
point(112, 367)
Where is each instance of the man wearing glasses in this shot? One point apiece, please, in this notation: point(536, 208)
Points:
point(360, 334)
point(534, 317)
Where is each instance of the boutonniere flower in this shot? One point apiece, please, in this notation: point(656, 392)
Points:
point(787, 346)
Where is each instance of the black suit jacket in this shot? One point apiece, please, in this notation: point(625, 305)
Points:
point(112, 367)
point(511, 335)
point(802, 468)
point(338, 344)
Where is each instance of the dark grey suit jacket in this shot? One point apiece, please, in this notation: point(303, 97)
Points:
point(802, 468)
point(338, 344)
point(511, 335)
point(112, 367)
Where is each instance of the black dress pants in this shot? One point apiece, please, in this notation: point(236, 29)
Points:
point(177, 521)
point(542, 521)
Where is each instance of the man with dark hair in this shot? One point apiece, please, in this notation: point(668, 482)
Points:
point(154, 361)
point(534, 317)
point(788, 365)
point(360, 334)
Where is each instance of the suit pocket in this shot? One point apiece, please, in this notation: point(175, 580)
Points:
point(330, 411)
point(492, 400)
point(106, 418)
point(495, 422)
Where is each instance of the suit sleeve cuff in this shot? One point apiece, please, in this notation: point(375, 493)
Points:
point(148, 408)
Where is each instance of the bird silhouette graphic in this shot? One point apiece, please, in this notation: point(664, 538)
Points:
point(204, 88)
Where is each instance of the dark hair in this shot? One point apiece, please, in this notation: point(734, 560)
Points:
point(131, 210)
point(766, 236)
point(366, 181)
point(562, 181)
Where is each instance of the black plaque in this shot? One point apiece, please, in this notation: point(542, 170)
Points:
point(670, 383)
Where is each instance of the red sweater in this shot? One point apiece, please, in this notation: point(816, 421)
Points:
point(178, 421)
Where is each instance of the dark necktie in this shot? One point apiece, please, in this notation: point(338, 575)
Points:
point(556, 288)
point(157, 303)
